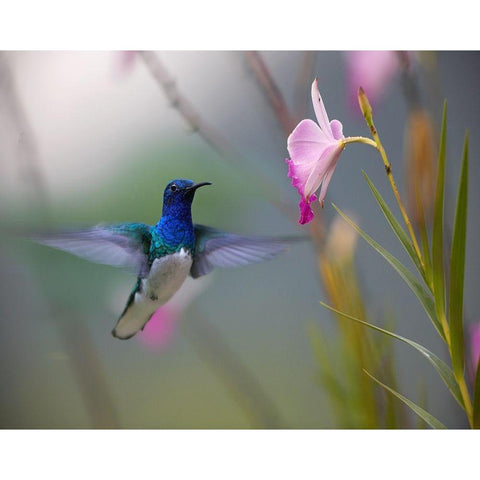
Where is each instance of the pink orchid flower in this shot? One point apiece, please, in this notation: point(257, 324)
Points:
point(314, 150)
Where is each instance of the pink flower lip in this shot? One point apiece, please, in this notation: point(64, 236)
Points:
point(314, 152)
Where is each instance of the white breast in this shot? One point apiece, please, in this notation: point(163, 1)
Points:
point(166, 276)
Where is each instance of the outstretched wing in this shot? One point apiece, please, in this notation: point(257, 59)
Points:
point(214, 248)
point(119, 245)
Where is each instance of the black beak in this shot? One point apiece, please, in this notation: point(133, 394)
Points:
point(198, 185)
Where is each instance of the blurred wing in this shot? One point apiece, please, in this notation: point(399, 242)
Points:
point(120, 245)
point(215, 248)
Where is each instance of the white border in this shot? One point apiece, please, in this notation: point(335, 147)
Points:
point(239, 454)
point(250, 24)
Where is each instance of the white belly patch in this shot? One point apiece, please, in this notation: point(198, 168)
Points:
point(166, 276)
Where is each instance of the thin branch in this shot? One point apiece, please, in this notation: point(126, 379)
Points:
point(303, 82)
point(209, 134)
point(30, 165)
point(184, 107)
point(273, 93)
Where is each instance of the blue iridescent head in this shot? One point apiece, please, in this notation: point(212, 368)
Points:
point(178, 196)
point(175, 226)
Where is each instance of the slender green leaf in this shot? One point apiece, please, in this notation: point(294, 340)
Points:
point(430, 419)
point(440, 366)
point(407, 276)
point(397, 228)
point(457, 270)
point(476, 398)
point(437, 238)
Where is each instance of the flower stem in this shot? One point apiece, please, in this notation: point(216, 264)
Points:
point(388, 169)
point(271, 90)
point(367, 113)
point(366, 141)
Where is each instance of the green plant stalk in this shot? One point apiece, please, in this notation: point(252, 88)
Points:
point(367, 113)
point(466, 397)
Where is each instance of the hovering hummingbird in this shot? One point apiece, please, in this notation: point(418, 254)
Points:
point(163, 255)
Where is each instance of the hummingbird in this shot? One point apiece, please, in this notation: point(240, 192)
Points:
point(163, 255)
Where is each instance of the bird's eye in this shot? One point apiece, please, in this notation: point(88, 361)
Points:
point(173, 187)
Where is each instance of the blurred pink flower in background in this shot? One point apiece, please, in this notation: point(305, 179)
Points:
point(160, 330)
point(474, 331)
point(314, 151)
point(125, 61)
point(372, 70)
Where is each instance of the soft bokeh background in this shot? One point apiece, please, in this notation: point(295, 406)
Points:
point(101, 134)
